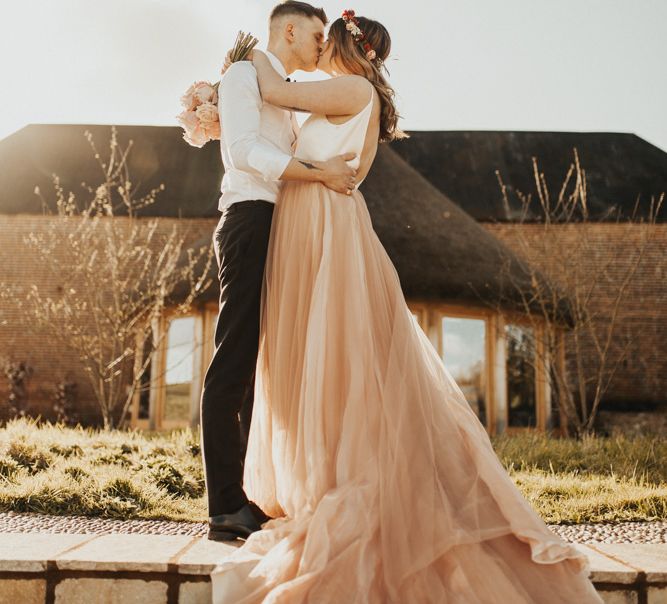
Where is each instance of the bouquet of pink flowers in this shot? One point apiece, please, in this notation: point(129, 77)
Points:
point(200, 120)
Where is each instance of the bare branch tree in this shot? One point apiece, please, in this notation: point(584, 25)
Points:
point(561, 246)
point(116, 274)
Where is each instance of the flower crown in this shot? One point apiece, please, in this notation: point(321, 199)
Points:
point(352, 25)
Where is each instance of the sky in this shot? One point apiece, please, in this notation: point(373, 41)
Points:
point(554, 65)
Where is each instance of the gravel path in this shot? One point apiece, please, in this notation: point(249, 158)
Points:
point(623, 532)
point(12, 522)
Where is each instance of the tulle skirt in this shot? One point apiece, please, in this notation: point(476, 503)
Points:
point(382, 481)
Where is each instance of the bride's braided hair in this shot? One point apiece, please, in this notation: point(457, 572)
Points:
point(347, 51)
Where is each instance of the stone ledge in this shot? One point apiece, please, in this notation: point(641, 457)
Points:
point(649, 558)
point(124, 553)
point(32, 552)
point(171, 569)
point(607, 570)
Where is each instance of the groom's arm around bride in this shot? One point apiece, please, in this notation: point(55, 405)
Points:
point(253, 131)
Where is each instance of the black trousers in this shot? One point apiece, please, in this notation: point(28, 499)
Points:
point(241, 241)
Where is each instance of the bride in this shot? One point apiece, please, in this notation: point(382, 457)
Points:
point(382, 481)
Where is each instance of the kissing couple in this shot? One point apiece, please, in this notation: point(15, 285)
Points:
point(339, 453)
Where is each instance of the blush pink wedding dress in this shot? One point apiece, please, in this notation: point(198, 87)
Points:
point(382, 481)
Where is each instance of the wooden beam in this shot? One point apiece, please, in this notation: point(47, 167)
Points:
point(138, 362)
point(158, 369)
point(500, 377)
point(540, 410)
point(197, 364)
point(490, 394)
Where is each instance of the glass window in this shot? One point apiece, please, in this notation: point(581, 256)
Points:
point(179, 371)
point(464, 355)
point(521, 400)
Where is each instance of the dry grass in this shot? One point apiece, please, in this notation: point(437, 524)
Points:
point(56, 470)
point(589, 480)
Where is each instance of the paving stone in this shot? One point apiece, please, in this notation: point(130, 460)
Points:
point(619, 597)
point(202, 557)
point(110, 591)
point(605, 569)
point(195, 593)
point(125, 552)
point(25, 591)
point(649, 557)
point(28, 552)
point(657, 595)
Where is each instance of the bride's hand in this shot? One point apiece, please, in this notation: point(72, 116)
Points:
point(228, 62)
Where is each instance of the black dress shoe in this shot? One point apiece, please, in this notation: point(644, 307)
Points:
point(259, 514)
point(228, 527)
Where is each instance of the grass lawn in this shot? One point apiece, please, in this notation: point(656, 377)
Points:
point(56, 470)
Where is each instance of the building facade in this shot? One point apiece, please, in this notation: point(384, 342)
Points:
point(446, 236)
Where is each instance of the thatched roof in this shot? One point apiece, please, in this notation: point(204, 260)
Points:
point(159, 155)
point(439, 250)
point(462, 164)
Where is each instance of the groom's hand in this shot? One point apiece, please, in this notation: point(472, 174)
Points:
point(338, 176)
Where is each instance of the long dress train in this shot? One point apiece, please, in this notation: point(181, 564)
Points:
point(383, 482)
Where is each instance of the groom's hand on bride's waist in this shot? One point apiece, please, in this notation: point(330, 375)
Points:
point(338, 175)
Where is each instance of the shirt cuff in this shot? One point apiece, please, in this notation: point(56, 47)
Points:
point(270, 163)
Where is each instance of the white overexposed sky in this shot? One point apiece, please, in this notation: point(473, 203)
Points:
point(580, 65)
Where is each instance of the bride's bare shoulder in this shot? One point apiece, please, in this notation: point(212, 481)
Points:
point(356, 83)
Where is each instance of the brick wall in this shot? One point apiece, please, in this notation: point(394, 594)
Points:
point(641, 381)
point(51, 362)
point(643, 378)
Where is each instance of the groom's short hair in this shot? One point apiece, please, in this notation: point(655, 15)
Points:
point(293, 7)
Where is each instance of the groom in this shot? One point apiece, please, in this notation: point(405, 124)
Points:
point(256, 145)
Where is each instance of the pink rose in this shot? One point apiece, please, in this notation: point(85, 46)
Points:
point(207, 113)
point(205, 92)
point(188, 99)
point(193, 133)
point(212, 130)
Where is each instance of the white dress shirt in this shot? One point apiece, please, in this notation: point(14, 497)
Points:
point(256, 140)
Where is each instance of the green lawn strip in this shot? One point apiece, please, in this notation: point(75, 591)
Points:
point(572, 498)
point(643, 457)
point(52, 469)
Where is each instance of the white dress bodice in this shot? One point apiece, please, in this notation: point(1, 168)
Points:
point(319, 139)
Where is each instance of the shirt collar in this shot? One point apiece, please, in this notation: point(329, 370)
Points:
point(277, 64)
